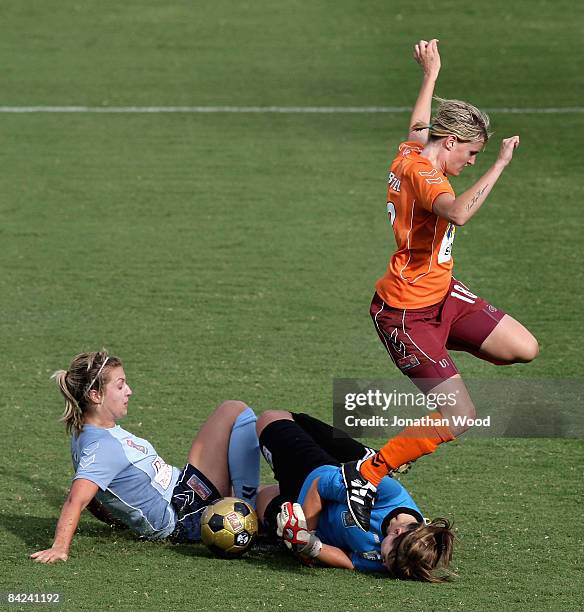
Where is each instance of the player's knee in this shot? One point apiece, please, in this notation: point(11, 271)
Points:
point(532, 349)
point(269, 416)
point(528, 350)
point(231, 407)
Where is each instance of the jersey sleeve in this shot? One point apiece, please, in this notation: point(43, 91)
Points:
point(428, 183)
point(330, 485)
point(388, 491)
point(366, 565)
point(101, 461)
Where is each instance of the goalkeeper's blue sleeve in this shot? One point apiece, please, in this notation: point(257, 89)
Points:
point(331, 486)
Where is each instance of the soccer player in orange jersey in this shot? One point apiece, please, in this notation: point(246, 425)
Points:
point(419, 309)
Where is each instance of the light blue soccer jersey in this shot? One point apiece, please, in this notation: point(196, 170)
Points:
point(136, 485)
point(337, 527)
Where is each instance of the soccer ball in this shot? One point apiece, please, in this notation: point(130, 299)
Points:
point(229, 527)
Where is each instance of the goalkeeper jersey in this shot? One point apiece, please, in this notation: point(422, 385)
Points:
point(337, 527)
point(136, 485)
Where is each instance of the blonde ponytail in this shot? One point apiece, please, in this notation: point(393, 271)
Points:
point(72, 415)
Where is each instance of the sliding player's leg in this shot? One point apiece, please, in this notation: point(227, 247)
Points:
point(292, 454)
point(224, 454)
point(334, 441)
point(226, 450)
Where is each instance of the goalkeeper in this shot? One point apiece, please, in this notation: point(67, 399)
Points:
point(305, 455)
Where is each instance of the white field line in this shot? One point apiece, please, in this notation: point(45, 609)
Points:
point(265, 109)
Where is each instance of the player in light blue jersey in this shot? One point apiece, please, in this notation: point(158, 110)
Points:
point(305, 455)
point(123, 479)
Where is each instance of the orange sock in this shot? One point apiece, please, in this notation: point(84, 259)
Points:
point(410, 444)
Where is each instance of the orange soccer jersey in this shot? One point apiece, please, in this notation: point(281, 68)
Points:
point(420, 270)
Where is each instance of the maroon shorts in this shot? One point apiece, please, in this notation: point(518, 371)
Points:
point(418, 340)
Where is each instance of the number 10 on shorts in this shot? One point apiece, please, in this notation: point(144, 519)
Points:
point(462, 293)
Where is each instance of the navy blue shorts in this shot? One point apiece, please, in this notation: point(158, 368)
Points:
point(192, 493)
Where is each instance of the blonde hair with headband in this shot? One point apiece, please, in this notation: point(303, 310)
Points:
point(87, 371)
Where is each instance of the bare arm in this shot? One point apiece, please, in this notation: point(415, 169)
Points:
point(82, 491)
point(459, 210)
point(334, 557)
point(329, 555)
point(312, 505)
point(427, 55)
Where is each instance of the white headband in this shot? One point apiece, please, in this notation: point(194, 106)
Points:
point(97, 375)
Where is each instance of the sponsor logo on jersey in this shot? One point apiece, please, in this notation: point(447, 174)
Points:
point(133, 444)
point(371, 555)
point(445, 253)
point(348, 520)
point(163, 472)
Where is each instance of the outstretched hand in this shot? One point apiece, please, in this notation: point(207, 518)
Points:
point(508, 146)
point(427, 55)
point(49, 556)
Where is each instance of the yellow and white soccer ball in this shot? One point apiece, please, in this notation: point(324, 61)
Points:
point(229, 527)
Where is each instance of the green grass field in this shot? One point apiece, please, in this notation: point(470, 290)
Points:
point(234, 255)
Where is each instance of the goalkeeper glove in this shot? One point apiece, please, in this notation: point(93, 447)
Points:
point(293, 530)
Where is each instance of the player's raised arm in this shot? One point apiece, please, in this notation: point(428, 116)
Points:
point(459, 210)
point(428, 56)
point(82, 492)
